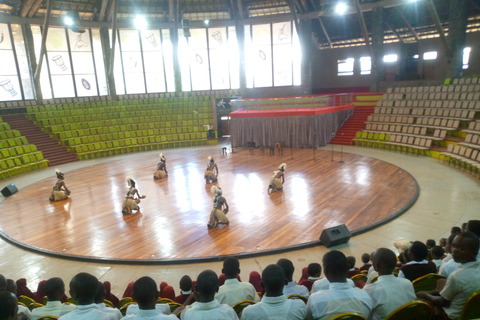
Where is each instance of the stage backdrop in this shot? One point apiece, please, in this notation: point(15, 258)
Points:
point(266, 131)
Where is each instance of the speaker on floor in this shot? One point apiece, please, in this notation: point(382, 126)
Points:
point(9, 190)
point(335, 236)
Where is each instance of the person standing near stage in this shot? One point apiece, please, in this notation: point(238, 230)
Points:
point(218, 214)
point(161, 168)
point(131, 203)
point(278, 179)
point(211, 173)
point(60, 190)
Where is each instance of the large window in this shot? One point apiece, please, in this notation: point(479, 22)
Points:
point(345, 67)
point(365, 65)
point(466, 57)
point(9, 80)
point(272, 55)
point(431, 55)
point(132, 61)
point(83, 65)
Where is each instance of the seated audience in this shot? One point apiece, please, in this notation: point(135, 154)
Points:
point(419, 266)
point(234, 291)
point(352, 271)
point(54, 289)
point(437, 255)
point(464, 227)
point(206, 306)
point(448, 264)
point(100, 302)
point(128, 291)
point(461, 283)
point(340, 297)
point(186, 290)
point(83, 289)
point(430, 244)
point(304, 274)
point(274, 304)
point(366, 262)
point(40, 293)
point(8, 306)
point(255, 279)
point(388, 292)
point(145, 294)
point(292, 287)
point(314, 271)
point(442, 242)
point(474, 227)
point(23, 312)
point(455, 230)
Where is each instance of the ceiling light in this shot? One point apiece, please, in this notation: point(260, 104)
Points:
point(68, 21)
point(206, 21)
point(72, 21)
point(140, 22)
point(341, 8)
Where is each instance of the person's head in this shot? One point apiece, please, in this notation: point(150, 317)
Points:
point(273, 280)
point(418, 251)
point(465, 247)
point(11, 286)
point(455, 230)
point(207, 286)
point(430, 243)
point(473, 226)
point(385, 261)
point(437, 252)
point(131, 182)
point(351, 262)
point(282, 167)
point(83, 288)
point(60, 175)
point(365, 258)
point(211, 159)
point(448, 246)
point(216, 190)
point(54, 289)
point(464, 227)
point(314, 270)
point(288, 267)
point(403, 257)
point(8, 306)
point(101, 294)
point(231, 267)
point(3, 283)
point(335, 266)
point(186, 283)
point(442, 242)
point(145, 293)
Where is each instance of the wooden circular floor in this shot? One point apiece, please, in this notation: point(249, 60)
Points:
point(171, 226)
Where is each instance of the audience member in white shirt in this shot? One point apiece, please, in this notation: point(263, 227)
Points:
point(291, 287)
point(83, 289)
point(340, 297)
point(274, 304)
point(54, 289)
point(388, 292)
point(205, 306)
point(8, 305)
point(437, 254)
point(234, 291)
point(145, 293)
point(460, 284)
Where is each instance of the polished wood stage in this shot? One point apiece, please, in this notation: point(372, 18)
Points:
point(171, 226)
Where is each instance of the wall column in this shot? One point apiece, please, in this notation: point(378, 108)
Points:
point(32, 60)
point(240, 33)
point(456, 37)
point(378, 68)
point(107, 55)
point(308, 51)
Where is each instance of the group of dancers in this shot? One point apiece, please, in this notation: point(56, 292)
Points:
point(218, 215)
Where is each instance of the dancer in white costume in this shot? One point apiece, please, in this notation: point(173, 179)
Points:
point(211, 173)
point(218, 214)
point(278, 179)
point(60, 190)
point(161, 168)
point(131, 202)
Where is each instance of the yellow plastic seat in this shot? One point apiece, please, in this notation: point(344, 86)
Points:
point(427, 282)
point(239, 306)
point(471, 310)
point(415, 310)
point(349, 316)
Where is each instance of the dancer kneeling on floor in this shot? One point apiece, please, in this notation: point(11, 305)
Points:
point(131, 203)
point(218, 215)
point(211, 173)
point(278, 179)
point(161, 168)
point(60, 190)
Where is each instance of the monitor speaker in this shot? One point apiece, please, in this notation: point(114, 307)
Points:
point(9, 190)
point(335, 236)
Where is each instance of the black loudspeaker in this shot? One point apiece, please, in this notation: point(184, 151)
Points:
point(9, 190)
point(335, 236)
